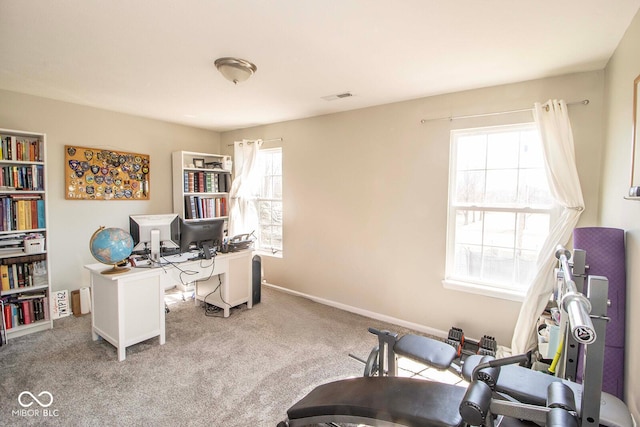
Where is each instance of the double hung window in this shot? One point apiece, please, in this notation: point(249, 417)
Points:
point(269, 202)
point(500, 209)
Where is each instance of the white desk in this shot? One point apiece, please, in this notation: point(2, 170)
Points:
point(127, 308)
point(231, 272)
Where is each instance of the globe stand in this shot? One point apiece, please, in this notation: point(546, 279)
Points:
point(116, 270)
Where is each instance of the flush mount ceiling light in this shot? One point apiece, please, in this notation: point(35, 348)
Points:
point(234, 69)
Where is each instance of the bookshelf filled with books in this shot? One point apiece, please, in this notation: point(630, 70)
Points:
point(201, 185)
point(24, 272)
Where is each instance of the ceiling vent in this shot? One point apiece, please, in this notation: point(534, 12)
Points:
point(338, 96)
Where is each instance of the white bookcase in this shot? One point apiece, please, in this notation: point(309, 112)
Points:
point(201, 185)
point(24, 267)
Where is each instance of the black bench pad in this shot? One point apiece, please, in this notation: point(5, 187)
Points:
point(523, 384)
point(406, 401)
point(429, 351)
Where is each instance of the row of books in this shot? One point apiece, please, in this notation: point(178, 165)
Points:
point(207, 182)
point(21, 212)
point(197, 207)
point(25, 309)
point(20, 148)
point(29, 178)
point(23, 272)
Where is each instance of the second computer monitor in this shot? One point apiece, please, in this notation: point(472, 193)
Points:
point(203, 234)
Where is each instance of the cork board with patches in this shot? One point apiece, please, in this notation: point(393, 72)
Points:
point(98, 174)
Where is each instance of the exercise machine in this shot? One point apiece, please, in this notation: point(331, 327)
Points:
point(398, 401)
point(499, 391)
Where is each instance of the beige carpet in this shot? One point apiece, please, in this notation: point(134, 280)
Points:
point(245, 370)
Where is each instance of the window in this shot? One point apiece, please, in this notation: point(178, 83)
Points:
point(269, 201)
point(500, 209)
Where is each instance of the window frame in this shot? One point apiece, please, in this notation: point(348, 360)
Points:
point(278, 253)
point(476, 285)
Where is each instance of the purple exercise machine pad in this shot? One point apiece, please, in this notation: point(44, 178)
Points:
point(605, 256)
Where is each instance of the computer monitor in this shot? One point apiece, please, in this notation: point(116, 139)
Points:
point(205, 235)
point(155, 234)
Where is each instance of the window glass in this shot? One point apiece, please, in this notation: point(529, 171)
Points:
point(269, 202)
point(500, 207)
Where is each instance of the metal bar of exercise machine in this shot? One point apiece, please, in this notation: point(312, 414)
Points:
point(587, 317)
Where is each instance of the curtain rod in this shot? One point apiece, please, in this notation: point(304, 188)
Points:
point(470, 116)
point(264, 140)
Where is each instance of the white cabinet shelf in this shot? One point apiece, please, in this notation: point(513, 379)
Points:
point(24, 273)
point(201, 192)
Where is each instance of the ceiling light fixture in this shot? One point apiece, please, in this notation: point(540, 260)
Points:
point(234, 69)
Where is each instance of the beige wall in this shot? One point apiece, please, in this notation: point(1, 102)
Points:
point(72, 222)
point(365, 196)
point(622, 69)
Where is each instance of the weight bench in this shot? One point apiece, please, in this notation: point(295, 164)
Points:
point(398, 401)
point(391, 400)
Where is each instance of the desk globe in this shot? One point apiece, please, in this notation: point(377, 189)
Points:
point(111, 246)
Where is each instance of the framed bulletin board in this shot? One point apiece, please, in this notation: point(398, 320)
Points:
point(95, 174)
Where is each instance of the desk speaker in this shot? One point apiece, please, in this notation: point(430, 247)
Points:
point(256, 279)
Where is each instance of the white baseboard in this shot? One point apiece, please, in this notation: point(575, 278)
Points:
point(366, 313)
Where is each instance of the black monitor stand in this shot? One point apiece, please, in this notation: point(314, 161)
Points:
point(206, 249)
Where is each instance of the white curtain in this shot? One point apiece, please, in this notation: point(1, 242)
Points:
point(553, 123)
point(243, 216)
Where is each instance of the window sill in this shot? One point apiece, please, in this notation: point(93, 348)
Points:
point(488, 291)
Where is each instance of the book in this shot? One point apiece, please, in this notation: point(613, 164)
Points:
point(223, 206)
point(13, 277)
point(30, 308)
point(208, 182)
point(29, 296)
point(20, 309)
point(15, 315)
point(191, 182)
point(20, 217)
point(33, 214)
point(190, 211)
point(40, 213)
point(20, 274)
point(37, 309)
point(8, 316)
point(45, 308)
point(201, 187)
point(12, 148)
point(196, 201)
point(227, 182)
point(4, 277)
point(10, 274)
